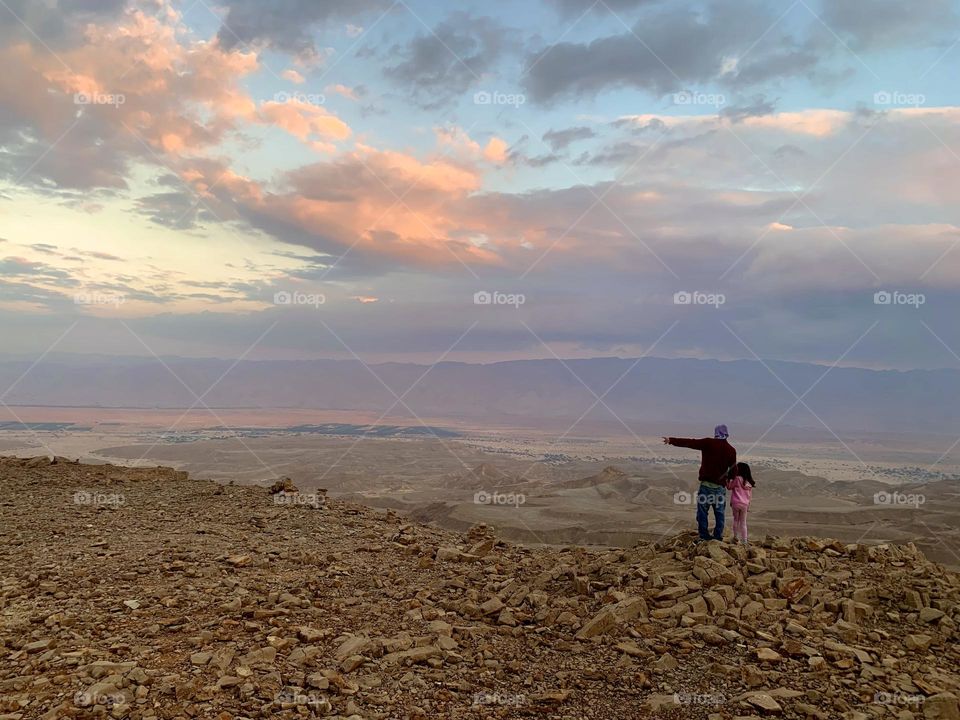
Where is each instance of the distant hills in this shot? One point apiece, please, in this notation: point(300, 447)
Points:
point(652, 394)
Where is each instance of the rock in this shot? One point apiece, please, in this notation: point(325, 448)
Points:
point(942, 706)
point(630, 648)
point(658, 703)
point(765, 703)
point(492, 606)
point(233, 605)
point(318, 680)
point(38, 646)
point(252, 611)
point(355, 645)
point(263, 656)
point(447, 553)
point(445, 642)
point(554, 697)
point(601, 623)
point(665, 663)
point(768, 655)
point(352, 663)
point(482, 548)
point(283, 485)
point(709, 572)
point(918, 641)
point(311, 635)
point(200, 659)
point(413, 655)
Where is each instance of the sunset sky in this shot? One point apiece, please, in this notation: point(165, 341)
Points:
point(175, 171)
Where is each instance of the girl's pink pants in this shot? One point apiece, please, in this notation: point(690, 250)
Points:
point(739, 522)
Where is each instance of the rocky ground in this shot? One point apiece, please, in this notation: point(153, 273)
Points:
point(145, 594)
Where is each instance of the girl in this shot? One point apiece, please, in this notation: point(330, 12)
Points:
point(741, 490)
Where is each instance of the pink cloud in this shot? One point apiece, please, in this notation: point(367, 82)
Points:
point(496, 151)
point(304, 121)
point(343, 90)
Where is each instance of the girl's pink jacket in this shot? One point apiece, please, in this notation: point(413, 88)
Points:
point(740, 492)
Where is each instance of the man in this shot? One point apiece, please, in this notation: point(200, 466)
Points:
point(718, 462)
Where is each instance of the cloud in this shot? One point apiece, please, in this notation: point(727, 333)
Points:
point(885, 24)
point(446, 61)
point(288, 25)
point(344, 91)
point(130, 92)
point(561, 139)
point(758, 106)
point(293, 76)
point(576, 8)
point(671, 47)
point(382, 206)
point(496, 151)
point(17, 267)
point(305, 121)
point(667, 48)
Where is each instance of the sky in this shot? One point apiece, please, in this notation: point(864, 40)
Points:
point(479, 181)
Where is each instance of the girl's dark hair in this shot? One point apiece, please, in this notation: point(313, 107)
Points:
point(743, 470)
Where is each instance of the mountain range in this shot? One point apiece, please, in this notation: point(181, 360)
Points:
point(656, 392)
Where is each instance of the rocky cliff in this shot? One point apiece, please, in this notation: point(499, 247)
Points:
point(145, 594)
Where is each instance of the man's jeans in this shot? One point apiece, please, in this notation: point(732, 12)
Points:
point(707, 497)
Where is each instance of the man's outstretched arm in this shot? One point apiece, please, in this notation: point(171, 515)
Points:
point(695, 443)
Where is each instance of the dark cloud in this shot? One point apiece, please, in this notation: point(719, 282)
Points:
point(670, 48)
point(179, 210)
point(617, 154)
point(576, 8)
point(288, 25)
point(756, 107)
point(561, 139)
point(653, 124)
point(99, 255)
point(880, 24)
point(445, 62)
point(20, 268)
point(57, 25)
point(538, 161)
